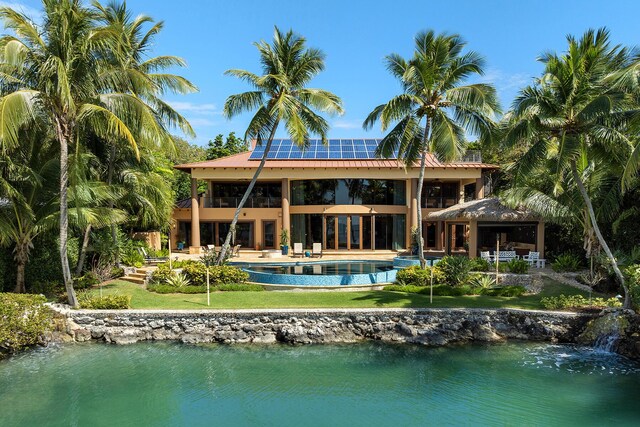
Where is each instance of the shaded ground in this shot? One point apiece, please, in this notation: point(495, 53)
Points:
point(141, 298)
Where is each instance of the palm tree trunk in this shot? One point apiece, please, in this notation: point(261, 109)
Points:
point(225, 246)
point(83, 250)
point(63, 135)
point(114, 233)
point(596, 229)
point(425, 139)
point(21, 256)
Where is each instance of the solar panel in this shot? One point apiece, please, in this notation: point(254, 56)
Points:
point(335, 149)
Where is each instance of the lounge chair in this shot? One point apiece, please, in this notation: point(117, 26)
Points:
point(486, 255)
point(533, 258)
point(317, 250)
point(211, 248)
point(297, 250)
point(149, 259)
point(236, 251)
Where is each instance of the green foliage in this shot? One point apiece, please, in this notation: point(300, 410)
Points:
point(160, 288)
point(480, 264)
point(284, 237)
point(196, 272)
point(116, 272)
point(504, 291)
point(438, 290)
point(483, 281)
point(566, 262)
point(518, 266)
point(24, 320)
point(220, 148)
point(417, 276)
point(239, 287)
point(632, 273)
point(577, 301)
point(88, 280)
point(455, 269)
point(178, 281)
point(227, 274)
point(161, 274)
point(106, 302)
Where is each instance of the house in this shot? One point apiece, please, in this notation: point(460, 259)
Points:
point(341, 195)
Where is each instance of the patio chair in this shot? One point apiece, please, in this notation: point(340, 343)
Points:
point(534, 260)
point(486, 255)
point(236, 251)
point(316, 250)
point(149, 259)
point(297, 250)
point(211, 248)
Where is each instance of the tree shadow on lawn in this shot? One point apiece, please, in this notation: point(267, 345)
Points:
point(413, 300)
point(395, 299)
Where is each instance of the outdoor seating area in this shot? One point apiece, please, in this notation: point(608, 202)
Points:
point(533, 258)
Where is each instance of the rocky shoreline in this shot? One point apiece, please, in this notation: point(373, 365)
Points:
point(431, 327)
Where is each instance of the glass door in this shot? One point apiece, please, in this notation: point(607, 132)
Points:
point(330, 232)
point(354, 232)
point(367, 229)
point(268, 234)
point(343, 232)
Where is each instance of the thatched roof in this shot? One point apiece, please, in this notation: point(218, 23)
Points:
point(484, 210)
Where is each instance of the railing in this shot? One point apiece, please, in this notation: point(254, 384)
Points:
point(233, 202)
point(439, 202)
point(472, 156)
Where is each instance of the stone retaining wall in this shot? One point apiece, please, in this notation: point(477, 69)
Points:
point(422, 326)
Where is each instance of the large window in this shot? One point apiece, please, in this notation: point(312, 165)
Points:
point(306, 229)
point(437, 194)
point(389, 232)
point(228, 195)
point(348, 192)
point(520, 237)
point(214, 233)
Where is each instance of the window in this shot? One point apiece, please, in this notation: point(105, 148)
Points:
point(348, 192)
point(436, 195)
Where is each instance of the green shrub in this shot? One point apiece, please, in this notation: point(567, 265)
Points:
point(483, 281)
point(178, 281)
point(566, 262)
point(84, 282)
point(455, 269)
point(24, 320)
point(162, 273)
point(131, 257)
point(480, 264)
point(227, 274)
point(577, 301)
point(106, 302)
point(505, 291)
point(633, 277)
point(196, 272)
point(417, 276)
point(239, 287)
point(168, 289)
point(518, 266)
point(117, 272)
point(438, 290)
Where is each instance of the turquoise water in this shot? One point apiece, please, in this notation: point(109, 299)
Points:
point(324, 268)
point(369, 384)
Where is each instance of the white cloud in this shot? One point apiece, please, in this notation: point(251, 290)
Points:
point(347, 124)
point(198, 121)
point(504, 81)
point(31, 12)
point(190, 107)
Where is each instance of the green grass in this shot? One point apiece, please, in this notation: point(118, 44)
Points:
point(141, 298)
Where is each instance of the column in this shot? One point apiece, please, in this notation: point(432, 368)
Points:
point(286, 218)
point(194, 247)
point(540, 239)
point(479, 188)
point(414, 202)
point(473, 238)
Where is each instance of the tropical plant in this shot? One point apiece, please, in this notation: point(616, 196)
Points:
point(518, 266)
point(480, 264)
point(435, 110)
point(574, 113)
point(482, 281)
point(566, 262)
point(24, 320)
point(220, 147)
point(455, 269)
point(178, 281)
point(281, 95)
point(417, 276)
point(61, 73)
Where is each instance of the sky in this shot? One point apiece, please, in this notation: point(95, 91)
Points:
point(356, 35)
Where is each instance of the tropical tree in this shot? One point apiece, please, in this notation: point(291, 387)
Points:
point(281, 95)
point(55, 73)
point(222, 148)
point(435, 109)
point(574, 110)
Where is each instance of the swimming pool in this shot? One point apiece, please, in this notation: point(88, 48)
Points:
point(321, 273)
point(409, 261)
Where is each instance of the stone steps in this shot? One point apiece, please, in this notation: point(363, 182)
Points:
point(139, 276)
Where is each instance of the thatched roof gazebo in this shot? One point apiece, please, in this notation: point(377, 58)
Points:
point(489, 209)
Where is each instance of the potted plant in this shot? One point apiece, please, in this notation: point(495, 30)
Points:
point(284, 241)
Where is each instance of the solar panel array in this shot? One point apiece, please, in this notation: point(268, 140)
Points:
point(335, 149)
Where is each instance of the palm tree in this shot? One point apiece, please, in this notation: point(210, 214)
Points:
point(573, 109)
point(54, 73)
point(281, 95)
point(435, 109)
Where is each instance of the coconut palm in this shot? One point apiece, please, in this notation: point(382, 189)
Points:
point(573, 109)
point(281, 95)
point(435, 109)
point(55, 73)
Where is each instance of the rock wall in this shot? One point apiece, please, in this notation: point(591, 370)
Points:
point(421, 326)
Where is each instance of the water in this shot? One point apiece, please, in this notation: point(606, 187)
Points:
point(339, 268)
point(164, 384)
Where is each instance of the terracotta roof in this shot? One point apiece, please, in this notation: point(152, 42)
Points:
point(241, 160)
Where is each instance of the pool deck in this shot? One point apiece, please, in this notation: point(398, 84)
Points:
point(256, 256)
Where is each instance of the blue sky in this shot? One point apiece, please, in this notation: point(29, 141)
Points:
point(355, 35)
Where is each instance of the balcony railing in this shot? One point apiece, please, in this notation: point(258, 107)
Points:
point(233, 202)
point(439, 202)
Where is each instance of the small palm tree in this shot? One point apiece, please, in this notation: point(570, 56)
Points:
point(281, 95)
point(576, 111)
point(435, 110)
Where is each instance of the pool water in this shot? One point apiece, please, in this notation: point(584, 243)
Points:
point(325, 268)
point(369, 384)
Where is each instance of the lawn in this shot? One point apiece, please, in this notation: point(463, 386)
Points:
point(141, 298)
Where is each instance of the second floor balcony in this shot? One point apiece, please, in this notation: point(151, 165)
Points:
point(233, 202)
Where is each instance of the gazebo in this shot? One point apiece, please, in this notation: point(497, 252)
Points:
point(486, 221)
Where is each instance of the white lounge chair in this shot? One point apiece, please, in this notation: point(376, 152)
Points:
point(297, 250)
point(236, 251)
point(486, 255)
point(533, 258)
point(317, 250)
